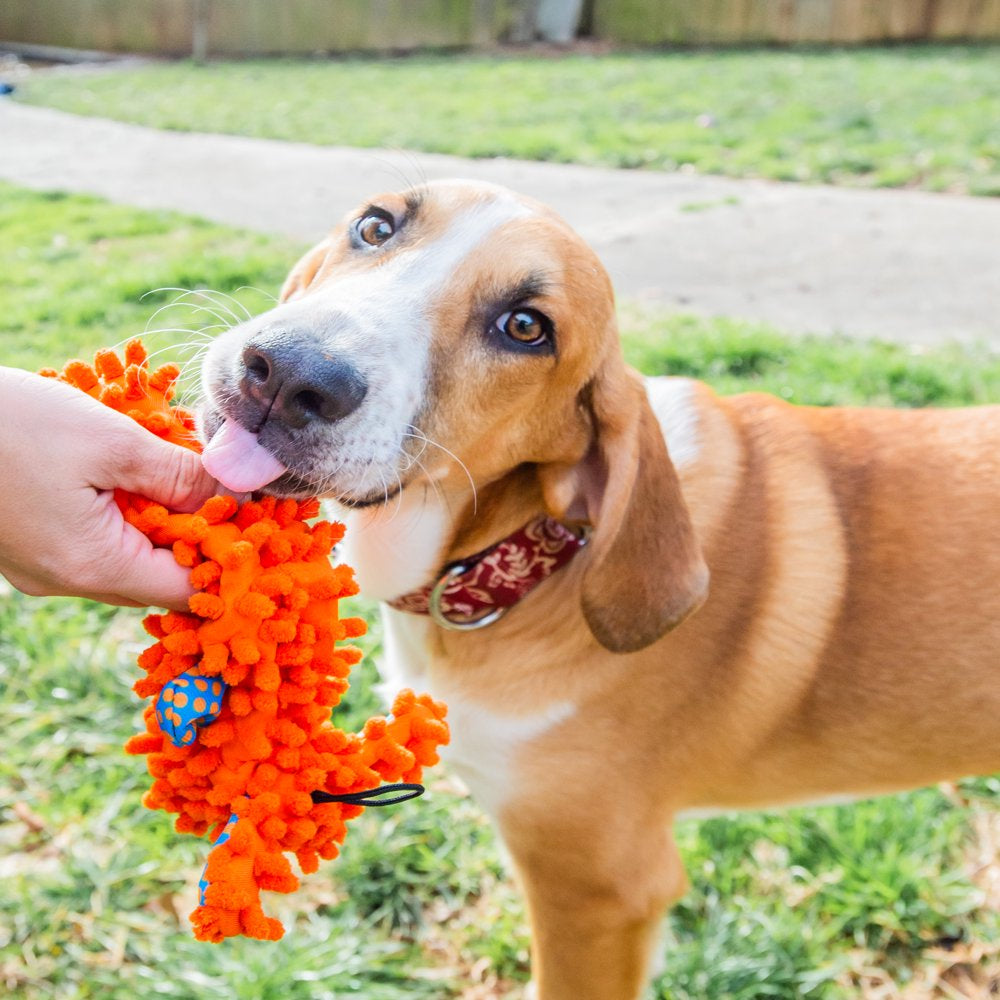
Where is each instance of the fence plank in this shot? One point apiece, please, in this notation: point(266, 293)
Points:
point(966, 19)
point(106, 25)
point(846, 21)
point(307, 26)
point(813, 21)
point(252, 27)
point(259, 27)
point(658, 22)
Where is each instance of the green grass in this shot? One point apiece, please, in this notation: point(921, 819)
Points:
point(80, 273)
point(916, 116)
point(740, 356)
point(95, 890)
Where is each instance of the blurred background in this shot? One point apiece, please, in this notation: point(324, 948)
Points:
point(795, 196)
point(202, 28)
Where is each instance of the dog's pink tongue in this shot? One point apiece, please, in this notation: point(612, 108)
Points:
point(236, 458)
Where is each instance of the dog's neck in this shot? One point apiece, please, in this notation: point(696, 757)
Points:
point(397, 548)
point(402, 546)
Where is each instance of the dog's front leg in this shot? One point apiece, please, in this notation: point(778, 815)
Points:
point(596, 896)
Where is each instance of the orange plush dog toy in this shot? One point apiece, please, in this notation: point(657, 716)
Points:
point(238, 738)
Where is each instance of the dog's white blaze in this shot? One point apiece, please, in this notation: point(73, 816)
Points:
point(470, 228)
point(384, 325)
point(673, 403)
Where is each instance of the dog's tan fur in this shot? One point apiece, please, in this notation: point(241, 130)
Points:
point(846, 644)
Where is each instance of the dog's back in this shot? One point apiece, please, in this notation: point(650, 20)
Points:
point(853, 619)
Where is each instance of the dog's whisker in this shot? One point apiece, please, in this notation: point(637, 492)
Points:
point(396, 497)
point(189, 387)
point(418, 434)
point(225, 319)
point(180, 301)
point(397, 170)
point(268, 296)
point(172, 304)
point(414, 459)
point(385, 493)
point(323, 486)
point(212, 296)
point(188, 365)
point(198, 346)
point(236, 304)
point(189, 299)
point(429, 482)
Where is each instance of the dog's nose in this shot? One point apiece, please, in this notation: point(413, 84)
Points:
point(297, 383)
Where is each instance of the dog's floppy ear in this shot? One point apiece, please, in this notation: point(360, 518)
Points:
point(301, 275)
point(644, 571)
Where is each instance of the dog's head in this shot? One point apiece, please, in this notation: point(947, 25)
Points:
point(455, 332)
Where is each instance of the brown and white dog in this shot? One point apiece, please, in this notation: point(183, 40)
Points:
point(776, 604)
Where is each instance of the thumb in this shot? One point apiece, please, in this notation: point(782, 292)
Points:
point(165, 473)
point(150, 576)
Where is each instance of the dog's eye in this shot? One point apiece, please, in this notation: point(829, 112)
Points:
point(375, 228)
point(525, 326)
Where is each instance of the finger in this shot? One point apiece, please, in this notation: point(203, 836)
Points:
point(154, 579)
point(116, 600)
point(164, 472)
point(34, 586)
point(135, 569)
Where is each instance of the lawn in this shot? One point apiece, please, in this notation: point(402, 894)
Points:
point(889, 898)
point(911, 116)
point(79, 273)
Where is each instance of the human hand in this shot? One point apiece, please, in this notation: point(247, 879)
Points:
point(62, 455)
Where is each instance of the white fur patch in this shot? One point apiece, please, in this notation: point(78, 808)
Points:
point(405, 657)
point(397, 547)
point(484, 745)
point(672, 400)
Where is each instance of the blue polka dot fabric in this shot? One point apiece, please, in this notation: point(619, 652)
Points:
point(186, 703)
point(221, 839)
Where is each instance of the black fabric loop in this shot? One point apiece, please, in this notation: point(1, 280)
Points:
point(384, 795)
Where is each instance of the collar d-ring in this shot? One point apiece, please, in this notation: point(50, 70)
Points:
point(438, 614)
point(479, 589)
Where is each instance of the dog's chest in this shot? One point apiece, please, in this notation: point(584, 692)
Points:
point(486, 745)
point(397, 553)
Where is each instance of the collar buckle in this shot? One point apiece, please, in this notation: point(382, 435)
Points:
point(440, 617)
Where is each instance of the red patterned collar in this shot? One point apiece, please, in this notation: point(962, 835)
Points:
point(479, 589)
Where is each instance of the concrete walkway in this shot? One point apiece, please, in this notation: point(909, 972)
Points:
point(902, 265)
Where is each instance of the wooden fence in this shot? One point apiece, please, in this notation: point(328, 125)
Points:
point(264, 27)
point(747, 22)
point(252, 27)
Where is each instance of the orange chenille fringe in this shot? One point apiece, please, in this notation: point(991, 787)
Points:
point(257, 653)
